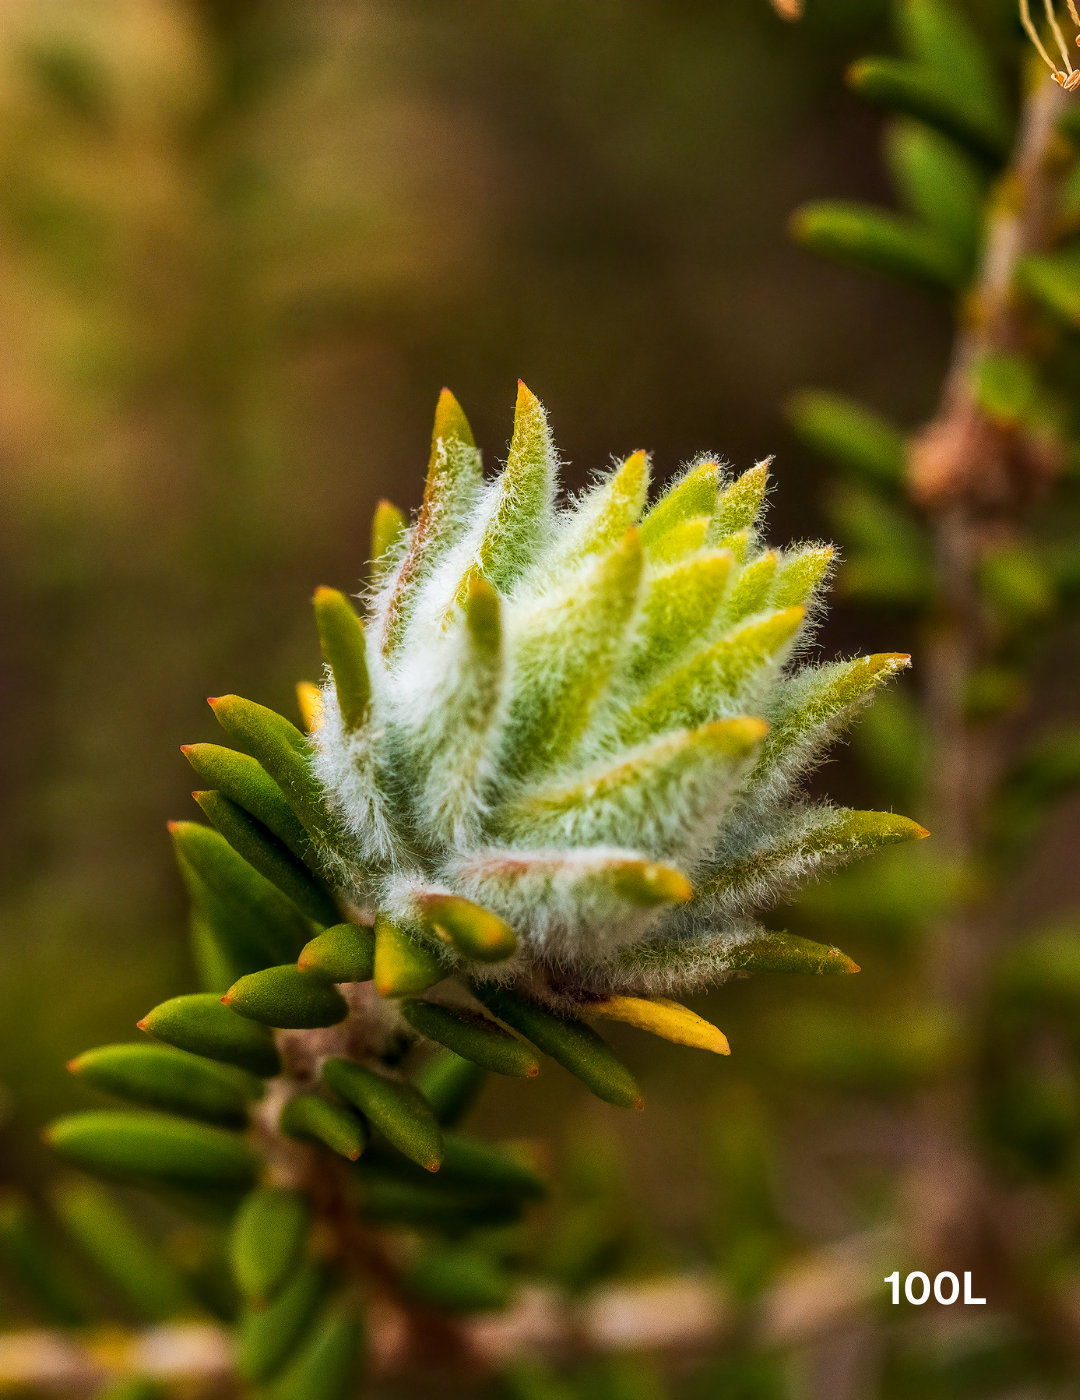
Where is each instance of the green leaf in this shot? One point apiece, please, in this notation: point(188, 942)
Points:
point(216, 970)
point(569, 893)
point(690, 495)
point(785, 952)
point(468, 1165)
point(163, 1077)
point(749, 591)
point(801, 574)
point(694, 694)
point(287, 998)
point(604, 514)
point(472, 1037)
point(253, 911)
point(451, 1084)
point(133, 1145)
point(343, 953)
point(678, 604)
point(1007, 388)
point(847, 433)
point(404, 967)
point(678, 543)
point(818, 703)
point(246, 782)
point(481, 1166)
point(310, 1119)
point(824, 837)
point(940, 184)
point(389, 1202)
point(47, 1278)
point(388, 527)
point(266, 1241)
point(285, 753)
point(475, 932)
point(567, 648)
point(140, 1273)
point(344, 649)
point(201, 1024)
point(398, 1110)
point(522, 500)
point(937, 35)
point(1017, 584)
point(328, 1362)
point(739, 504)
point(454, 481)
point(458, 1279)
point(917, 91)
point(572, 1044)
point(1053, 279)
point(270, 857)
point(266, 1337)
point(457, 732)
point(879, 241)
point(657, 796)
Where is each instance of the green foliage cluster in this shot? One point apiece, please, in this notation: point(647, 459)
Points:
point(1004, 1032)
point(330, 937)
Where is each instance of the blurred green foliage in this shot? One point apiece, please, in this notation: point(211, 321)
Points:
point(240, 247)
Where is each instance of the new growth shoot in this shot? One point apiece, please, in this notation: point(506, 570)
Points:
point(1069, 79)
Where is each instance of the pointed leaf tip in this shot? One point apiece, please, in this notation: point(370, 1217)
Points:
point(341, 635)
point(450, 420)
point(387, 527)
point(667, 1019)
point(665, 885)
point(310, 702)
point(483, 613)
point(474, 932)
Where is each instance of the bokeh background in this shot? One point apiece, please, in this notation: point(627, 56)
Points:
point(242, 246)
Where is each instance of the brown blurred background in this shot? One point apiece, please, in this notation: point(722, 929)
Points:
point(242, 245)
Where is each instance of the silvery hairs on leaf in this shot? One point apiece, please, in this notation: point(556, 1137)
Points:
point(591, 718)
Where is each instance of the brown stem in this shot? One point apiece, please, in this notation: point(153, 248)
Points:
point(975, 477)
